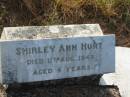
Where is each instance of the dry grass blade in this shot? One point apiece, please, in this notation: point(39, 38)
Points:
point(31, 6)
point(66, 5)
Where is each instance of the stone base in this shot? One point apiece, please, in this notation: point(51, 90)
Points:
point(66, 91)
point(86, 80)
point(75, 87)
point(16, 89)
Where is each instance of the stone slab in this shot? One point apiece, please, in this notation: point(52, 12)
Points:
point(40, 32)
point(49, 59)
point(121, 77)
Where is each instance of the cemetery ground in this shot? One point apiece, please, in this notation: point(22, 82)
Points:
point(114, 18)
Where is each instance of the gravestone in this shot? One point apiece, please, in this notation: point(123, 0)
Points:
point(48, 59)
point(31, 54)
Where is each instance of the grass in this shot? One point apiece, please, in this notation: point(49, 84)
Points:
point(3, 13)
point(50, 12)
point(112, 15)
point(68, 10)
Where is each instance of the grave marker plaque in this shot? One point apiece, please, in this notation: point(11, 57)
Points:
point(56, 58)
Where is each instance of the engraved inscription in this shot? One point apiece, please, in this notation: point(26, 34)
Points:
point(47, 55)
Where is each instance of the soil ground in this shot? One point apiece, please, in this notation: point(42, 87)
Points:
point(70, 87)
point(63, 91)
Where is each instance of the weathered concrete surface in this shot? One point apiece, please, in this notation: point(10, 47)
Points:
point(40, 32)
point(122, 76)
point(49, 59)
